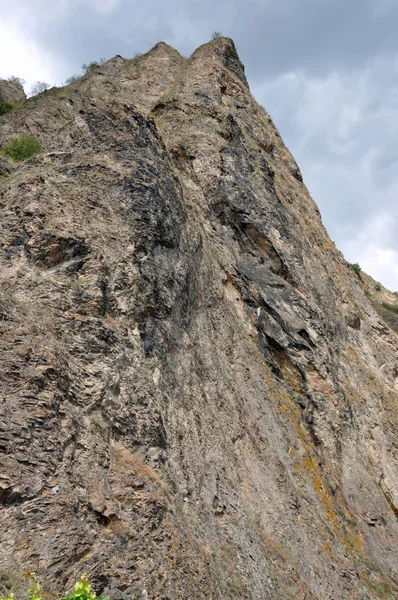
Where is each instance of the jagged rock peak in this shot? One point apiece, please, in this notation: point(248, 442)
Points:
point(163, 48)
point(222, 50)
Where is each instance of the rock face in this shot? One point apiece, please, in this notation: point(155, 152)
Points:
point(198, 399)
point(11, 93)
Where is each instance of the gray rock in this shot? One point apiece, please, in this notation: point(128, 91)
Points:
point(11, 93)
point(179, 359)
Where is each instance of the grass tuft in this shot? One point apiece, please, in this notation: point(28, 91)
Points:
point(391, 307)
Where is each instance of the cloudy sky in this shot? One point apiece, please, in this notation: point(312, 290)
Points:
point(326, 70)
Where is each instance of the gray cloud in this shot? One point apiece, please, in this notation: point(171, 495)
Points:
point(326, 70)
point(272, 36)
point(342, 127)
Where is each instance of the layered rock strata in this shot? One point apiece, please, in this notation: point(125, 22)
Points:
point(198, 399)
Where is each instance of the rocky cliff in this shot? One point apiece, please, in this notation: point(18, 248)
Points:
point(198, 399)
point(11, 94)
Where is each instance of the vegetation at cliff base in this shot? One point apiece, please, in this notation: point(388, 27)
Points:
point(82, 590)
point(22, 148)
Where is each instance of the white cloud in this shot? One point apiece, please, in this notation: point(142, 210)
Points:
point(105, 7)
point(382, 8)
point(342, 130)
point(23, 58)
point(370, 250)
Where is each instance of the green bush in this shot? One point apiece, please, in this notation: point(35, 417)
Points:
point(216, 35)
point(82, 591)
point(38, 88)
point(22, 147)
point(5, 108)
point(390, 307)
point(16, 80)
point(378, 287)
point(356, 268)
point(87, 67)
point(72, 79)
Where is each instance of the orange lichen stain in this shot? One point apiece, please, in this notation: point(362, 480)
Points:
point(328, 549)
point(353, 541)
point(311, 470)
point(133, 463)
point(307, 467)
point(351, 355)
point(274, 546)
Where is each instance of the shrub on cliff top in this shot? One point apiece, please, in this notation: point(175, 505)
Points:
point(15, 79)
point(22, 148)
point(72, 79)
point(356, 268)
point(38, 88)
point(87, 67)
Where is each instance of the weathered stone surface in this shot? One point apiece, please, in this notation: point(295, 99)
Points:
point(199, 400)
point(11, 92)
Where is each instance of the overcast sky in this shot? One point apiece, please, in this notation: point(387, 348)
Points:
point(326, 70)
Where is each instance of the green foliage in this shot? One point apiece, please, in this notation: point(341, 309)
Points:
point(72, 79)
point(356, 268)
point(33, 592)
point(216, 35)
point(87, 67)
point(16, 80)
point(390, 307)
point(378, 287)
point(6, 107)
point(38, 87)
point(22, 147)
point(82, 590)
